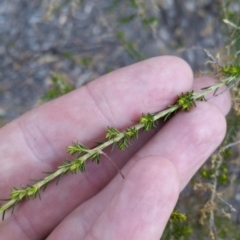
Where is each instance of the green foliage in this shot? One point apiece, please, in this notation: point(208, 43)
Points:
point(123, 143)
point(134, 3)
point(147, 22)
point(114, 4)
point(127, 19)
point(207, 174)
point(78, 165)
point(130, 47)
point(122, 139)
point(95, 156)
point(136, 12)
point(178, 217)
point(227, 153)
point(86, 61)
point(68, 55)
point(60, 86)
point(231, 70)
point(186, 101)
point(112, 133)
point(77, 148)
point(177, 227)
point(131, 133)
point(148, 121)
point(226, 229)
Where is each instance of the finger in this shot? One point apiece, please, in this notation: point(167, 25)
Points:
point(187, 140)
point(190, 137)
point(139, 209)
point(39, 138)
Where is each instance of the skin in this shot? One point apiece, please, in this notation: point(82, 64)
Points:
point(99, 204)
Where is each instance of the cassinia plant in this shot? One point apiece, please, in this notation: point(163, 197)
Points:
point(213, 174)
point(229, 77)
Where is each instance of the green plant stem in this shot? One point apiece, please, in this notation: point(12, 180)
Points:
point(74, 166)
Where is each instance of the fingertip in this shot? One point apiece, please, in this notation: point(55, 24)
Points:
point(147, 86)
point(164, 77)
point(145, 201)
point(173, 68)
point(210, 118)
point(160, 172)
point(206, 128)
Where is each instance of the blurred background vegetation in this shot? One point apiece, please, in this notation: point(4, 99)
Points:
point(50, 47)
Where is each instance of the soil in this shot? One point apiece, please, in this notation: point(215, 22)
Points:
point(79, 39)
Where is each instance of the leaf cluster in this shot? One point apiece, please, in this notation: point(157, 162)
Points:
point(186, 101)
point(231, 70)
point(177, 227)
point(60, 86)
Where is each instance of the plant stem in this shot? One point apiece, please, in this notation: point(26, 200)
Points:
point(184, 102)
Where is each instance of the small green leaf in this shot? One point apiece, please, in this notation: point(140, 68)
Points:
point(59, 178)
point(123, 144)
point(131, 133)
point(178, 217)
point(202, 98)
point(149, 21)
point(18, 194)
point(231, 71)
point(77, 165)
point(186, 101)
point(77, 148)
point(31, 191)
point(227, 153)
point(86, 61)
point(214, 93)
point(120, 35)
point(207, 173)
point(3, 215)
point(147, 121)
point(112, 133)
point(134, 3)
point(45, 186)
point(83, 166)
point(127, 19)
point(60, 86)
point(95, 157)
point(14, 206)
point(168, 115)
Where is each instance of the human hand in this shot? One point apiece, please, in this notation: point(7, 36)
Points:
point(99, 204)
